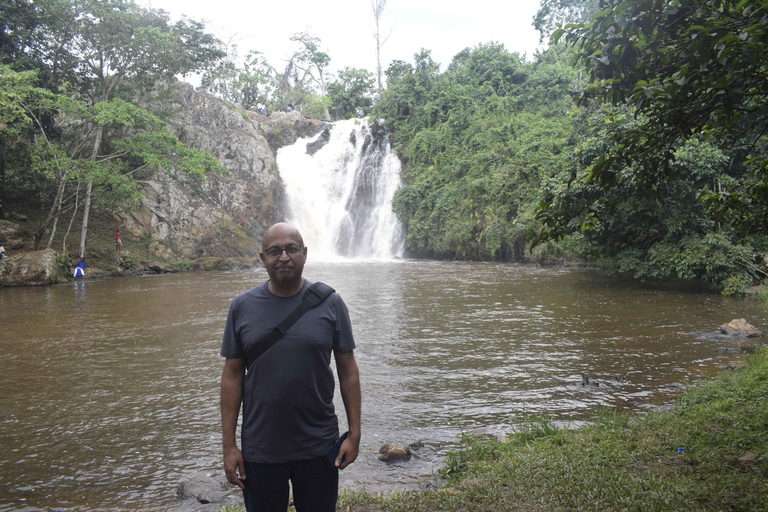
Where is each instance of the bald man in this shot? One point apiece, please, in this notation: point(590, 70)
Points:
point(289, 422)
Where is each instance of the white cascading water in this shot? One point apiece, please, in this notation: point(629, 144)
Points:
point(340, 198)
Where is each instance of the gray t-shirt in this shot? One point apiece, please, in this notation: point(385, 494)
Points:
point(288, 412)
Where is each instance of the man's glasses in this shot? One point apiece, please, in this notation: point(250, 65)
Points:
point(275, 252)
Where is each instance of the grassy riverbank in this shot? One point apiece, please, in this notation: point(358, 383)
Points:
point(709, 452)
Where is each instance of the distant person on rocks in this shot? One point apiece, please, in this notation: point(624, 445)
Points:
point(290, 107)
point(2, 252)
point(118, 241)
point(289, 427)
point(80, 269)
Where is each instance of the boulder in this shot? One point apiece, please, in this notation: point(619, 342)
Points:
point(392, 452)
point(160, 268)
point(203, 488)
point(740, 327)
point(319, 143)
point(31, 268)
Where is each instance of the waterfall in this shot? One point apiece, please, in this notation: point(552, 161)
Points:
point(339, 187)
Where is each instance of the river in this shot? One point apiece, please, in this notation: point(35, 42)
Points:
point(109, 388)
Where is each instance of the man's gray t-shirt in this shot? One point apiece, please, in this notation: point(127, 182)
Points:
point(288, 412)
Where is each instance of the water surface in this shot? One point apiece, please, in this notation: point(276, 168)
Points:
point(109, 389)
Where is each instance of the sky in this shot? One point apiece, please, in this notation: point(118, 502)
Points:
point(345, 27)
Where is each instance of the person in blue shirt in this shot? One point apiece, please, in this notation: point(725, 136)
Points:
point(80, 269)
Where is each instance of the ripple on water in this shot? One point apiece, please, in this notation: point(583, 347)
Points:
point(124, 387)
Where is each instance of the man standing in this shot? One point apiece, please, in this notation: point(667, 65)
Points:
point(289, 422)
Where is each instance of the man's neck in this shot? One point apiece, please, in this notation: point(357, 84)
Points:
point(288, 291)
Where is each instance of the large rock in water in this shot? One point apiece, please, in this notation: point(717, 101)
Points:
point(225, 215)
point(740, 327)
point(30, 268)
point(392, 452)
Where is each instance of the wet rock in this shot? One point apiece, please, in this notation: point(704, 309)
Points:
point(728, 350)
point(740, 327)
point(613, 382)
point(204, 489)
point(418, 445)
point(31, 268)
point(392, 452)
point(160, 268)
point(319, 143)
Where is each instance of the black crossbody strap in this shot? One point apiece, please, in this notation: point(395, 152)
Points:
point(313, 297)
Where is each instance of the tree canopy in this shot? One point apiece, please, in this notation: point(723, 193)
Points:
point(71, 120)
point(691, 69)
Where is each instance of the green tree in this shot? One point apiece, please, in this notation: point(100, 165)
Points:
point(242, 85)
point(351, 94)
point(311, 62)
point(476, 142)
point(140, 144)
point(106, 45)
point(98, 53)
point(552, 13)
point(690, 69)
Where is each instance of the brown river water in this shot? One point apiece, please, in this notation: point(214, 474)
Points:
point(109, 388)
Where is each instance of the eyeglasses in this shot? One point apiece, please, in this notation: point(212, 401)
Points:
point(276, 252)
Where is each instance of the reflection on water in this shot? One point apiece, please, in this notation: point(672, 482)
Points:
point(109, 389)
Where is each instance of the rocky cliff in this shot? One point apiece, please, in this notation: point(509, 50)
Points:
point(225, 215)
point(216, 223)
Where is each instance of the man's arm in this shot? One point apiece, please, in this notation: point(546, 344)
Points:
point(349, 384)
point(231, 397)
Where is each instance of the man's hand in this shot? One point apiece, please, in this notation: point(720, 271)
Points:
point(349, 384)
point(234, 467)
point(348, 452)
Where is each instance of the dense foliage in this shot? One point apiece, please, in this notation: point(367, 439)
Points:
point(658, 168)
point(671, 177)
point(73, 133)
point(476, 141)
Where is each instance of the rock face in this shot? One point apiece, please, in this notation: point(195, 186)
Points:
point(225, 215)
point(30, 268)
point(740, 327)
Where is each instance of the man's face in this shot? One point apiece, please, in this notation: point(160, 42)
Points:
point(283, 254)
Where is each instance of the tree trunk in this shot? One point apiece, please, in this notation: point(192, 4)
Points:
point(53, 214)
point(88, 190)
point(86, 212)
point(57, 207)
point(71, 220)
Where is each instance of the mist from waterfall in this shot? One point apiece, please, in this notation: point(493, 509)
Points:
point(340, 197)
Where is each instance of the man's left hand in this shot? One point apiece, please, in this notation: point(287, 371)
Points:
point(347, 452)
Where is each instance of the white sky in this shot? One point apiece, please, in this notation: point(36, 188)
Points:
point(345, 27)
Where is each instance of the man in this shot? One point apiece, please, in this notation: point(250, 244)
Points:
point(289, 422)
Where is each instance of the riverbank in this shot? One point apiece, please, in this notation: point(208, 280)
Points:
point(707, 452)
point(138, 255)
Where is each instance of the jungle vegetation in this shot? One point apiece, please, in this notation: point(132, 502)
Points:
point(635, 141)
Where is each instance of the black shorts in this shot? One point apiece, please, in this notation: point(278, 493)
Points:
point(315, 486)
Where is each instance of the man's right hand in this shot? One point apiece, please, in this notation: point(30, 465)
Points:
point(234, 467)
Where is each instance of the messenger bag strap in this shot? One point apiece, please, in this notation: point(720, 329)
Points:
point(313, 297)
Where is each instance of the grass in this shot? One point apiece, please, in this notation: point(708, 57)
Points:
point(617, 463)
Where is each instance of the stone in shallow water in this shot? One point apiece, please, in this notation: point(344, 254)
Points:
point(740, 327)
point(392, 452)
